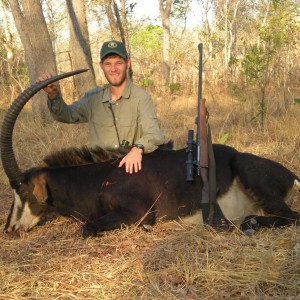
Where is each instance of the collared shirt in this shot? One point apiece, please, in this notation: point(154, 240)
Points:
point(135, 117)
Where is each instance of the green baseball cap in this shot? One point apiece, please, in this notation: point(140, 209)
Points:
point(113, 47)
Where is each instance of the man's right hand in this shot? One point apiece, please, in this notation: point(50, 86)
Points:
point(51, 89)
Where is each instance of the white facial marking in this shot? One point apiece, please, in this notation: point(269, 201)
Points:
point(297, 184)
point(17, 206)
point(28, 220)
point(21, 217)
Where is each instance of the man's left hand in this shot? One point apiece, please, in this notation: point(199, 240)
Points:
point(132, 161)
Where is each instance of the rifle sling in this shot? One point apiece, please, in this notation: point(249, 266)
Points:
point(208, 168)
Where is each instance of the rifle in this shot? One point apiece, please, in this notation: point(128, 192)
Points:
point(204, 162)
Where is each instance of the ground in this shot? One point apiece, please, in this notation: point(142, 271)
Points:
point(168, 261)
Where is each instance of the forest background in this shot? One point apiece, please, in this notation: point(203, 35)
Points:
point(251, 48)
point(251, 80)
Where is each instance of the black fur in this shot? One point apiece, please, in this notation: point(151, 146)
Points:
point(79, 156)
point(266, 181)
point(105, 196)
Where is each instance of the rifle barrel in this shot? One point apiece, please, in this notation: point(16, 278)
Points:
point(200, 49)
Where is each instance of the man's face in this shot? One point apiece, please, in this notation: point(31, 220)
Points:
point(114, 68)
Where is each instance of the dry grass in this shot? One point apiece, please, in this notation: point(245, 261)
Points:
point(171, 261)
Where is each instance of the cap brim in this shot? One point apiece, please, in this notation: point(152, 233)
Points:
point(114, 52)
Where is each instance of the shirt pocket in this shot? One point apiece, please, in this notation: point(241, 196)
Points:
point(103, 120)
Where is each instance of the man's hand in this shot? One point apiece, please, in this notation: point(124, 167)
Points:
point(51, 89)
point(132, 161)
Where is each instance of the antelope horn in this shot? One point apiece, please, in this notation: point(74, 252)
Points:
point(8, 158)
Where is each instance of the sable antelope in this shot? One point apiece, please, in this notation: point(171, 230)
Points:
point(253, 192)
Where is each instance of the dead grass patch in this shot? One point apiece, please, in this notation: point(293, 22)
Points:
point(172, 261)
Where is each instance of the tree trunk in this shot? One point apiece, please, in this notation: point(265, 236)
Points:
point(165, 14)
point(39, 55)
point(125, 38)
point(6, 37)
point(118, 24)
point(230, 12)
point(124, 33)
point(112, 22)
point(207, 43)
point(80, 46)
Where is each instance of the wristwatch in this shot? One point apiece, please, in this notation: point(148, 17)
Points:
point(139, 146)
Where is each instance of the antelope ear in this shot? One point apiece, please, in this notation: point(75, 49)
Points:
point(40, 189)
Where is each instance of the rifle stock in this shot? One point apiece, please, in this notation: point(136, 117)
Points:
point(203, 135)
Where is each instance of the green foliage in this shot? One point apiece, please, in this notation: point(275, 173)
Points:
point(175, 86)
point(255, 63)
point(282, 28)
point(150, 38)
point(297, 100)
point(237, 91)
point(146, 82)
point(233, 61)
point(279, 32)
point(223, 137)
point(180, 9)
point(21, 69)
point(5, 3)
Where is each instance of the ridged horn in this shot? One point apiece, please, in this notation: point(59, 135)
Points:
point(8, 158)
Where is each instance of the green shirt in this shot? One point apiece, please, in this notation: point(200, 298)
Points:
point(135, 117)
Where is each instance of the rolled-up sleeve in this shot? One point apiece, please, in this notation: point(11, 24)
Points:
point(151, 134)
point(77, 112)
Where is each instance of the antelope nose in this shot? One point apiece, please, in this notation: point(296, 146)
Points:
point(8, 229)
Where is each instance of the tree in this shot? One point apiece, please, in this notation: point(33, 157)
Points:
point(230, 17)
point(207, 32)
point(117, 18)
point(179, 12)
point(6, 36)
point(147, 45)
point(81, 57)
point(267, 59)
point(7, 51)
point(124, 27)
point(112, 21)
point(39, 55)
point(165, 7)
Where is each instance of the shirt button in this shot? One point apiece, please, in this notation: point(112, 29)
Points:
point(116, 146)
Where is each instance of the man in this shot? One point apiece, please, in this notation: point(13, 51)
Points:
point(117, 113)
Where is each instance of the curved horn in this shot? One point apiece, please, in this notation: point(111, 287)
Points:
point(9, 162)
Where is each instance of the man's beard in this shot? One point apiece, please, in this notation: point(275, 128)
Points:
point(118, 82)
